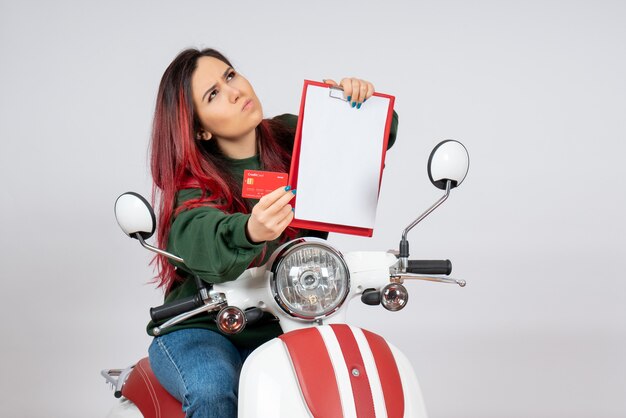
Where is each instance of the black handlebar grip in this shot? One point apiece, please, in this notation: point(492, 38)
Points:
point(170, 310)
point(429, 267)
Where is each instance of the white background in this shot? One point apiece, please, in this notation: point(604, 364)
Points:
point(536, 90)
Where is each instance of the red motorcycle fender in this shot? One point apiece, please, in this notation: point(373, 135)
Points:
point(337, 371)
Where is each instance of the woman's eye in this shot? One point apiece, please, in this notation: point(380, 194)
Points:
point(212, 95)
point(230, 75)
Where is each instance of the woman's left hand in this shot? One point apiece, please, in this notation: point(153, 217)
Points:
point(355, 90)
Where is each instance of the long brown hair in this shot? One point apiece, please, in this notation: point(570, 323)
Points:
point(180, 161)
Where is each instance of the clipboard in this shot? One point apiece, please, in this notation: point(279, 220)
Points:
point(338, 159)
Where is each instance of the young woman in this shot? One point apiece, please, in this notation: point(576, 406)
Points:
point(209, 128)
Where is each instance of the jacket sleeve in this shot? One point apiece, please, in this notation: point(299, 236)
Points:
point(393, 130)
point(213, 244)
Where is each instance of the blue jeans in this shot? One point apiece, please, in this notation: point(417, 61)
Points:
point(201, 369)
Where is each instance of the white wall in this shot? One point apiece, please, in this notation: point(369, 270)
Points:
point(535, 89)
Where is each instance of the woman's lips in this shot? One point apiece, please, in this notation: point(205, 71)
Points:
point(247, 105)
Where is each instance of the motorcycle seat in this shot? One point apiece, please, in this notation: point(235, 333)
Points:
point(145, 391)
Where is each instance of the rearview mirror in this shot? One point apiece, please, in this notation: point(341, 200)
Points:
point(135, 215)
point(448, 161)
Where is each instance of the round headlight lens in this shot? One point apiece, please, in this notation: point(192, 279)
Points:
point(310, 280)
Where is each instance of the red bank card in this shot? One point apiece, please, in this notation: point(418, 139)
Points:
point(257, 184)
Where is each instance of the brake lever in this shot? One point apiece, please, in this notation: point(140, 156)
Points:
point(216, 305)
point(399, 278)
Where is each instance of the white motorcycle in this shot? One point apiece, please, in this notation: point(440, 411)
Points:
point(320, 367)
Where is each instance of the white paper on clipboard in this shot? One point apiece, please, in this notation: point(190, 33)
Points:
point(340, 159)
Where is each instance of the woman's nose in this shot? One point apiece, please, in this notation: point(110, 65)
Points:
point(233, 94)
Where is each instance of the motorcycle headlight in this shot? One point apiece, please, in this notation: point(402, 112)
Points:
point(310, 279)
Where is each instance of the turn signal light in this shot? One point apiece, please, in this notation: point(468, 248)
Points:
point(231, 320)
point(394, 297)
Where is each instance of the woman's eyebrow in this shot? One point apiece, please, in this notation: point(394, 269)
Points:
point(228, 70)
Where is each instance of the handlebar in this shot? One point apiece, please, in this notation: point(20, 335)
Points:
point(429, 267)
point(170, 310)
point(186, 307)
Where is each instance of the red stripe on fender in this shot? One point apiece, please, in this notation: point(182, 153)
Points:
point(315, 372)
point(354, 361)
point(388, 373)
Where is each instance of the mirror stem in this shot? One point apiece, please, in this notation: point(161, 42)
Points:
point(404, 243)
point(429, 211)
point(157, 250)
point(199, 283)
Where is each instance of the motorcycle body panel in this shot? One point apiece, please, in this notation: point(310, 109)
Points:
point(268, 387)
point(368, 270)
point(272, 385)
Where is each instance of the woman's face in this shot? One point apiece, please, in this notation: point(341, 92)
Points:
point(224, 100)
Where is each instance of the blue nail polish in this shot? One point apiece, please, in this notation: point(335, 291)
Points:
point(353, 104)
point(364, 100)
point(293, 209)
point(287, 188)
point(349, 97)
point(358, 106)
point(293, 191)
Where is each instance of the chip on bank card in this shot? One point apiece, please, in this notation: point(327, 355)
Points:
point(257, 184)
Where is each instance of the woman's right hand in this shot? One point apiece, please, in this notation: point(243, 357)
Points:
point(270, 216)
